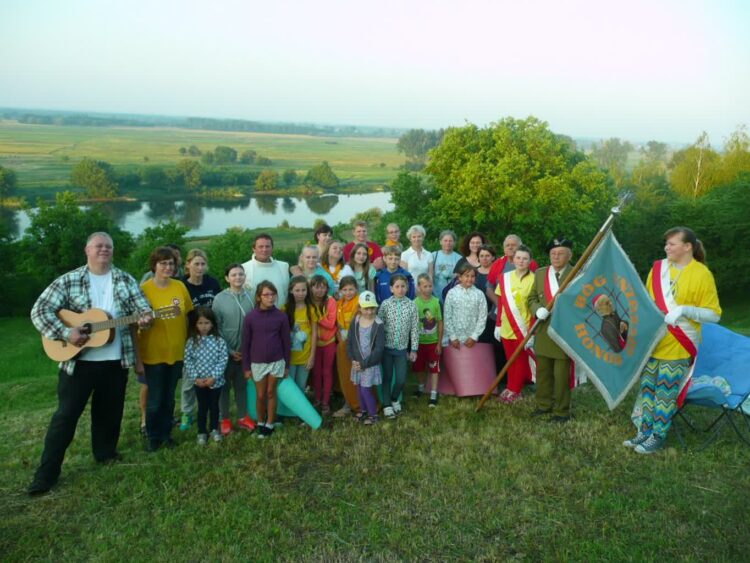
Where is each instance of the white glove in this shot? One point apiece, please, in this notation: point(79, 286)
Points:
point(530, 344)
point(671, 317)
point(542, 313)
point(700, 314)
point(497, 333)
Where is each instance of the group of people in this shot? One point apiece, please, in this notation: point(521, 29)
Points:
point(360, 311)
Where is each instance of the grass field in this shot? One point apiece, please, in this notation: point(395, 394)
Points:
point(443, 484)
point(37, 152)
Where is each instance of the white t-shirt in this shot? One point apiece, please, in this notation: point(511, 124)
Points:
point(101, 292)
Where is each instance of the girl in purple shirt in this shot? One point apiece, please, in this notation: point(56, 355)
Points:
point(266, 352)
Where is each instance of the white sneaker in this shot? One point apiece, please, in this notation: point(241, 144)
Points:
point(216, 435)
point(388, 412)
point(396, 407)
point(202, 439)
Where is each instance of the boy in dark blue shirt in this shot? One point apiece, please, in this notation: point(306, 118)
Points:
point(392, 259)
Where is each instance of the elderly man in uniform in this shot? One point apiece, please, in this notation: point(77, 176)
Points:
point(102, 371)
point(553, 374)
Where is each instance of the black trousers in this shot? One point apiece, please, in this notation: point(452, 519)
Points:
point(208, 407)
point(105, 382)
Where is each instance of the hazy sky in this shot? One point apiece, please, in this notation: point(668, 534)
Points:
point(638, 69)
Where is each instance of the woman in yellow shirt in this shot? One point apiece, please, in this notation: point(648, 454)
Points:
point(514, 321)
point(684, 289)
point(161, 348)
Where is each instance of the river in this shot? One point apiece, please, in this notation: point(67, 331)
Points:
point(205, 218)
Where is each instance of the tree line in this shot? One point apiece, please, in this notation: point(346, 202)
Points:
point(99, 179)
point(516, 175)
point(62, 118)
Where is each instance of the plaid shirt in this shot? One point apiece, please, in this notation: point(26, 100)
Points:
point(71, 291)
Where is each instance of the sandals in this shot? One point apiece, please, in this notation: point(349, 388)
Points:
point(359, 417)
point(370, 420)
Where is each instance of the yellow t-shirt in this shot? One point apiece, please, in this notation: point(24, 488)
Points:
point(164, 342)
point(520, 289)
point(692, 285)
point(302, 335)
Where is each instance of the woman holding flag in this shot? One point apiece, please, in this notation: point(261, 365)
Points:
point(684, 289)
point(514, 321)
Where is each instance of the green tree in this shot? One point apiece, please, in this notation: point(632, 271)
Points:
point(263, 161)
point(183, 151)
point(224, 155)
point(612, 155)
point(409, 192)
point(153, 176)
point(696, 169)
point(267, 181)
point(96, 177)
point(208, 158)
point(322, 176)
point(416, 143)
point(736, 159)
point(169, 232)
point(289, 177)
point(194, 151)
point(248, 156)
point(516, 176)
point(655, 151)
point(55, 239)
point(8, 182)
point(190, 173)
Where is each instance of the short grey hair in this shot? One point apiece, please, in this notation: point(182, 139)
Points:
point(92, 236)
point(416, 229)
point(447, 232)
point(516, 237)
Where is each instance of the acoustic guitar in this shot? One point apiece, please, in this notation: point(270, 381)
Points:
point(100, 327)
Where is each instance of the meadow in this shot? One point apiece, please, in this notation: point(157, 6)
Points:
point(43, 155)
point(442, 484)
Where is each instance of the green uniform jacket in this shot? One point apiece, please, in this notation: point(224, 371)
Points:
point(543, 344)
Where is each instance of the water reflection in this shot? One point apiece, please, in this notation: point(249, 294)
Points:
point(320, 205)
point(267, 204)
point(215, 217)
point(288, 205)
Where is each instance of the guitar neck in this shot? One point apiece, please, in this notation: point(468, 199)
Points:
point(114, 323)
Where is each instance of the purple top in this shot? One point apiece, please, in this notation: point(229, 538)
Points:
point(265, 337)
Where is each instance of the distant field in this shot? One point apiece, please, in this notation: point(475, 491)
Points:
point(37, 152)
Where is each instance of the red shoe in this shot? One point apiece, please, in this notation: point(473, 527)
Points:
point(246, 423)
point(226, 427)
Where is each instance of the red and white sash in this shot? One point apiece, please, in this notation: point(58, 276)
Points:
point(551, 286)
point(519, 325)
point(685, 333)
point(661, 285)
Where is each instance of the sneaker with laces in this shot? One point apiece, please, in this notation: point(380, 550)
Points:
point(185, 422)
point(637, 441)
point(388, 412)
point(246, 423)
point(653, 444)
point(216, 435)
point(202, 439)
point(396, 407)
point(433, 402)
point(262, 431)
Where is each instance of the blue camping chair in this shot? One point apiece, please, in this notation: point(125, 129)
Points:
point(721, 380)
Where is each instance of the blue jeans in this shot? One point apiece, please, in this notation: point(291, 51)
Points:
point(162, 382)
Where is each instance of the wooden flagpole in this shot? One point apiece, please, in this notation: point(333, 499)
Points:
point(577, 268)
